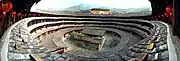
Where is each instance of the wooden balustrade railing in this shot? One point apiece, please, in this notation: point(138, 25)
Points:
point(9, 18)
point(12, 17)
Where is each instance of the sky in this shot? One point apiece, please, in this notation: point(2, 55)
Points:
point(121, 3)
point(60, 4)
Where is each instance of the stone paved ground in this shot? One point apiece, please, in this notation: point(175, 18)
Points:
point(47, 41)
point(130, 42)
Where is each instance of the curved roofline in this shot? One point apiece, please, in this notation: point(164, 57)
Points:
point(99, 9)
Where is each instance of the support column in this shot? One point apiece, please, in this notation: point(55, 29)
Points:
point(176, 24)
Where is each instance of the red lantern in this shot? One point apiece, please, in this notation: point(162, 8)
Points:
point(13, 14)
point(39, 15)
point(5, 6)
point(4, 14)
point(169, 9)
point(19, 14)
point(34, 15)
point(169, 13)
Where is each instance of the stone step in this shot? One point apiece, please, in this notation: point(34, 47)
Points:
point(138, 50)
point(131, 53)
point(18, 56)
point(127, 58)
point(152, 57)
point(160, 43)
point(141, 46)
point(56, 57)
point(22, 51)
point(144, 42)
point(138, 56)
point(161, 56)
point(160, 48)
point(114, 58)
point(36, 57)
